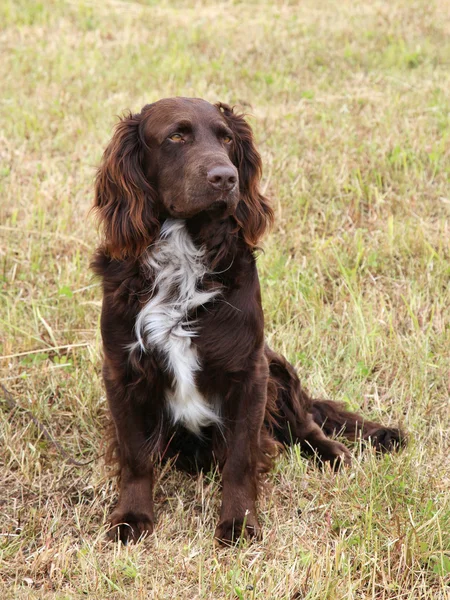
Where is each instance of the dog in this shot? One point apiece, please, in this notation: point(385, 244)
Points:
point(188, 374)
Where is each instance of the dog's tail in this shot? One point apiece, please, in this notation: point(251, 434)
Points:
point(290, 409)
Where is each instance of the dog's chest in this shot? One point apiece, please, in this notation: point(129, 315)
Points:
point(164, 325)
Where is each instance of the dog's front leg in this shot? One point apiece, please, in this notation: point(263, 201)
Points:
point(133, 515)
point(240, 474)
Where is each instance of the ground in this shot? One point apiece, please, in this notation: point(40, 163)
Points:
point(350, 105)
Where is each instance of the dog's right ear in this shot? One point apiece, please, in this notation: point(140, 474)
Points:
point(124, 199)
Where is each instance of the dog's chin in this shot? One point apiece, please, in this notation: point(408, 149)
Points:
point(221, 209)
point(220, 206)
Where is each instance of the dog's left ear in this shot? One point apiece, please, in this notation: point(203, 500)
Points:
point(253, 213)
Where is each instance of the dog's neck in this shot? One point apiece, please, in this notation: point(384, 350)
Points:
point(219, 236)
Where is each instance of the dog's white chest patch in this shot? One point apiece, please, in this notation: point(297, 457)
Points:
point(163, 323)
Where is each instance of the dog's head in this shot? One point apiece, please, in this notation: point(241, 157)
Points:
point(177, 158)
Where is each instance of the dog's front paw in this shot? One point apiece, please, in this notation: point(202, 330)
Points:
point(130, 526)
point(231, 531)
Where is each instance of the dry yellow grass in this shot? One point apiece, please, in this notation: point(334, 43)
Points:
point(350, 105)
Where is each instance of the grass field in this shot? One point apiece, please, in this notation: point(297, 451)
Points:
point(350, 103)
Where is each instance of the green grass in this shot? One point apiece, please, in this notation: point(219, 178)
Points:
point(350, 103)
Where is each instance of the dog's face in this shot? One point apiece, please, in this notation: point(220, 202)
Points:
point(178, 158)
point(189, 148)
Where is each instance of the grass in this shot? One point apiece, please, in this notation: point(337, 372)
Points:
point(350, 105)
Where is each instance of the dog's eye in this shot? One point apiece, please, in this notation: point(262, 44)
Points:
point(176, 137)
point(227, 139)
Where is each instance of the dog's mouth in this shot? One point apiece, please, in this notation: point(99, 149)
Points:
point(225, 202)
point(222, 205)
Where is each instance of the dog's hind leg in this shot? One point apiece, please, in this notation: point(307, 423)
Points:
point(296, 418)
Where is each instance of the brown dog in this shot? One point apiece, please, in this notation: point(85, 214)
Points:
point(186, 368)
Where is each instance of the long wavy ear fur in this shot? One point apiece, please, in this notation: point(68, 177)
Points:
point(254, 214)
point(124, 199)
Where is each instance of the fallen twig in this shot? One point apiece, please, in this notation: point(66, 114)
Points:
point(49, 349)
point(12, 405)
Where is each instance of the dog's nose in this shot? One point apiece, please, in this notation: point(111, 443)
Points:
point(222, 178)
